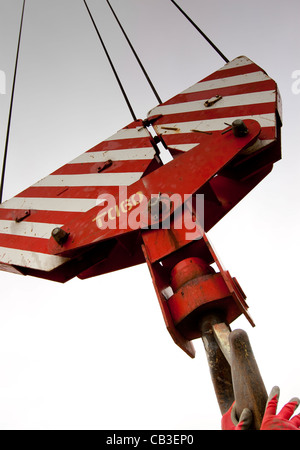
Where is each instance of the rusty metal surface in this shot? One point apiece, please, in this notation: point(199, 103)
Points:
point(248, 385)
point(220, 370)
point(234, 371)
point(221, 333)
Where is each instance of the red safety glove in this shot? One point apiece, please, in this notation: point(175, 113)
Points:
point(283, 420)
point(231, 422)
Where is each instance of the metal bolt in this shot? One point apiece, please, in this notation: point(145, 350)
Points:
point(20, 218)
point(239, 128)
point(200, 131)
point(104, 165)
point(59, 235)
point(212, 100)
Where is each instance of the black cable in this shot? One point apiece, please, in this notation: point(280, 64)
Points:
point(135, 54)
point(111, 63)
point(201, 32)
point(11, 105)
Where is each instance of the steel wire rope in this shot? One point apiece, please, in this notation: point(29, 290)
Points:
point(135, 54)
point(111, 63)
point(201, 32)
point(11, 105)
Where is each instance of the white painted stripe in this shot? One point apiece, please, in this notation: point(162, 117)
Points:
point(225, 102)
point(147, 153)
point(50, 204)
point(184, 147)
point(265, 120)
point(30, 229)
point(256, 146)
point(92, 179)
point(129, 133)
point(227, 82)
point(34, 260)
point(237, 62)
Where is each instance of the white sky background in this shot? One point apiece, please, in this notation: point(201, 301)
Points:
point(95, 354)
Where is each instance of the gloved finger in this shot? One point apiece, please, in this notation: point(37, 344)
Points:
point(296, 420)
point(288, 410)
point(233, 415)
point(226, 422)
point(245, 420)
point(272, 402)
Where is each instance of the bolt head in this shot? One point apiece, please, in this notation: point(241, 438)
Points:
point(239, 128)
point(59, 235)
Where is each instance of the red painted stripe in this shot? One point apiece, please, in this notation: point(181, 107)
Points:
point(240, 70)
point(116, 167)
point(24, 243)
point(194, 138)
point(136, 124)
point(55, 217)
point(60, 192)
point(121, 144)
point(259, 86)
point(218, 113)
point(68, 192)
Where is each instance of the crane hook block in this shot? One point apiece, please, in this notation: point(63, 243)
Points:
point(89, 216)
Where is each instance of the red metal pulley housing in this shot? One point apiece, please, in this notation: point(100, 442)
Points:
point(197, 290)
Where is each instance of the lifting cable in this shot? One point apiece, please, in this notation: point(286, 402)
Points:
point(112, 67)
point(201, 32)
point(111, 63)
point(11, 105)
point(136, 56)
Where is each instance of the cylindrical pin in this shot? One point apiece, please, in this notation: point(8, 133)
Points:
point(239, 128)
